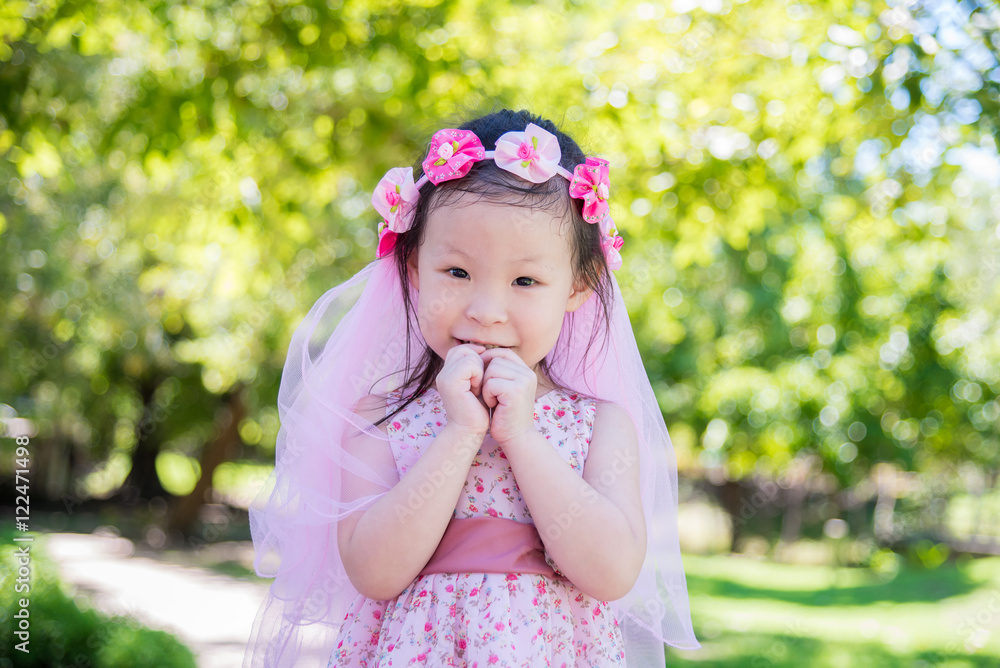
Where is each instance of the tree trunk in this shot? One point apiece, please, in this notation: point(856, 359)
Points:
point(885, 505)
point(142, 481)
point(799, 472)
point(732, 494)
point(791, 523)
point(220, 449)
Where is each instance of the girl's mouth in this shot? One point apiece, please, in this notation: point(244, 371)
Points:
point(488, 346)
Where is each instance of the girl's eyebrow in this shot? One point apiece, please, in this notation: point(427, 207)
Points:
point(448, 248)
point(530, 259)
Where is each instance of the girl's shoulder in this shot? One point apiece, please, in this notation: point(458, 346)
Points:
point(373, 407)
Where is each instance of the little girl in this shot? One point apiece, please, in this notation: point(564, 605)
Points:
point(472, 468)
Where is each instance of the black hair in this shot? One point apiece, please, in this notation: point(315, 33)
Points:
point(487, 182)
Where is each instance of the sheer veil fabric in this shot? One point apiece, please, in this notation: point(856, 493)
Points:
point(331, 461)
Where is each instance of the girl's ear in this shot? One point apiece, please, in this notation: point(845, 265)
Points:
point(411, 268)
point(579, 295)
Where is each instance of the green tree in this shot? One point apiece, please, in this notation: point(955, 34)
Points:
point(804, 189)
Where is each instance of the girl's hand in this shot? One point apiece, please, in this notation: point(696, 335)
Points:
point(509, 388)
point(460, 383)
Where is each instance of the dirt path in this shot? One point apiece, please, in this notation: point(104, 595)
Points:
point(210, 613)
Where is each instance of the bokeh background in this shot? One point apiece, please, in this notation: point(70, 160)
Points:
point(809, 194)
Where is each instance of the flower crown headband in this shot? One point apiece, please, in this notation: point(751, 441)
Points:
point(533, 155)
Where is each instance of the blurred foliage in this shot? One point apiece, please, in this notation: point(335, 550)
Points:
point(64, 634)
point(808, 193)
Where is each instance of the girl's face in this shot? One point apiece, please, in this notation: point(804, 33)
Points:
point(494, 274)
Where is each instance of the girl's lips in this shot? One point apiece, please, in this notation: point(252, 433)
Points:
point(488, 346)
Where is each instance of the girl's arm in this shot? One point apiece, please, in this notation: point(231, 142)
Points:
point(386, 545)
point(593, 527)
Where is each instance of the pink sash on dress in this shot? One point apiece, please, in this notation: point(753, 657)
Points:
point(490, 545)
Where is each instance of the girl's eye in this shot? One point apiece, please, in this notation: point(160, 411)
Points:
point(457, 269)
point(525, 278)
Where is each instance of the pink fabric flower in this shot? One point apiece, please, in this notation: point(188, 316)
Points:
point(591, 183)
point(396, 197)
point(386, 242)
point(611, 246)
point(533, 154)
point(452, 154)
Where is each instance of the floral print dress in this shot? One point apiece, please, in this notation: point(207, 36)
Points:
point(485, 619)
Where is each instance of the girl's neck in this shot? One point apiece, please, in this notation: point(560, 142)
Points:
point(544, 385)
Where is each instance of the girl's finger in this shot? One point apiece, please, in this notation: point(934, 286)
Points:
point(475, 378)
point(464, 362)
point(505, 353)
point(509, 388)
point(491, 396)
point(465, 349)
point(502, 366)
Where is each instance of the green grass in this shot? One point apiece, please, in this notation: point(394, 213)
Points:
point(762, 614)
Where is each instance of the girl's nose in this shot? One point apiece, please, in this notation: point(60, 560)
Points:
point(487, 307)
